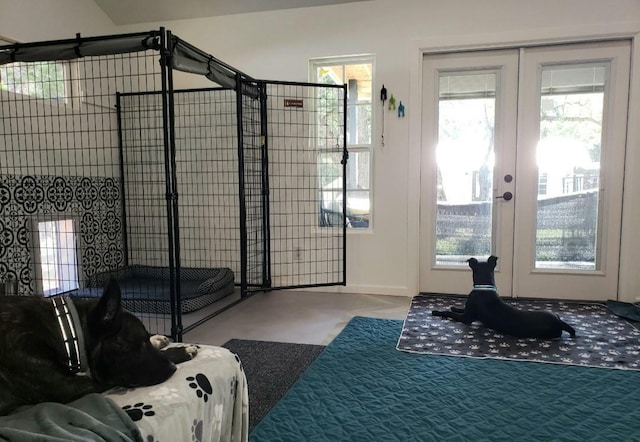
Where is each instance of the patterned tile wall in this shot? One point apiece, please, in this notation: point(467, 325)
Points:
point(94, 201)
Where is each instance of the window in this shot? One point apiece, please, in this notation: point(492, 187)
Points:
point(357, 74)
point(38, 79)
point(55, 256)
point(543, 179)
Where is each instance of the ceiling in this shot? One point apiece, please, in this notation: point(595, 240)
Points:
point(126, 12)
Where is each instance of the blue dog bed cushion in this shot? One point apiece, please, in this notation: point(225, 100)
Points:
point(146, 289)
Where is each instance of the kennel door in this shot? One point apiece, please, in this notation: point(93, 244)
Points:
point(305, 154)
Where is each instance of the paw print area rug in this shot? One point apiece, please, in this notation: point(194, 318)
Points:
point(602, 338)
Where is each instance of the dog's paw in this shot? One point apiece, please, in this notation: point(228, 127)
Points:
point(191, 350)
point(181, 352)
point(436, 313)
point(159, 341)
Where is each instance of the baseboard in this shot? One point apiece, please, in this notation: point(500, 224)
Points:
point(366, 289)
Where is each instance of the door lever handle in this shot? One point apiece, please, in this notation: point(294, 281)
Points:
point(507, 196)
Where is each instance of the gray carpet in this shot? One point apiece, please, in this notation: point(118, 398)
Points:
point(271, 368)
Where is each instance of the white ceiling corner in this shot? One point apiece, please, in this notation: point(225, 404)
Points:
point(127, 12)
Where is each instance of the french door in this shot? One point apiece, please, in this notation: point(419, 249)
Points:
point(523, 158)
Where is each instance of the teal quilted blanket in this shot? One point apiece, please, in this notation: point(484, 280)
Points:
point(362, 389)
point(90, 418)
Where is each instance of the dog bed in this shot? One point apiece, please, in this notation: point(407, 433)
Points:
point(146, 289)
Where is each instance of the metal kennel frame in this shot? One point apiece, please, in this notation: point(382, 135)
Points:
point(97, 137)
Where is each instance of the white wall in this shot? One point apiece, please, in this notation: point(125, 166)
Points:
point(37, 20)
point(278, 45)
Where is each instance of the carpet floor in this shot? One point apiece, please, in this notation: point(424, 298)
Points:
point(362, 389)
point(271, 368)
point(602, 338)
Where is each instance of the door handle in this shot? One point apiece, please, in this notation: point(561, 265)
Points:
point(507, 196)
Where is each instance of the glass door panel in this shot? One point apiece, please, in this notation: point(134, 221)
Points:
point(465, 160)
point(568, 157)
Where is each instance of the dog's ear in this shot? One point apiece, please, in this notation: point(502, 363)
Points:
point(472, 262)
point(493, 261)
point(107, 312)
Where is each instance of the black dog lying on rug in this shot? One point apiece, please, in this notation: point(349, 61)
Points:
point(484, 305)
point(58, 350)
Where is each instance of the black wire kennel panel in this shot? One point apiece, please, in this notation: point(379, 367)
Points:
point(206, 139)
point(254, 189)
point(61, 174)
point(61, 209)
point(144, 179)
point(307, 162)
point(106, 171)
point(206, 173)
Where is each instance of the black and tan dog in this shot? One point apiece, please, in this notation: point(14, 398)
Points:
point(484, 305)
point(58, 350)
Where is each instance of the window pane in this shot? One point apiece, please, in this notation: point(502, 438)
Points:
point(330, 170)
point(465, 158)
point(48, 256)
point(358, 208)
point(330, 119)
point(330, 74)
point(58, 263)
point(358, 197)
point(38, 79)
point(358, 80)
point(358, 77)
point(330, 184)
point(358, 170)
point(359, 124)
point(569, 150)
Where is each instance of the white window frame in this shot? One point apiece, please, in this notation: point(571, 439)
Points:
point(64, 284)
point(314, 64)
